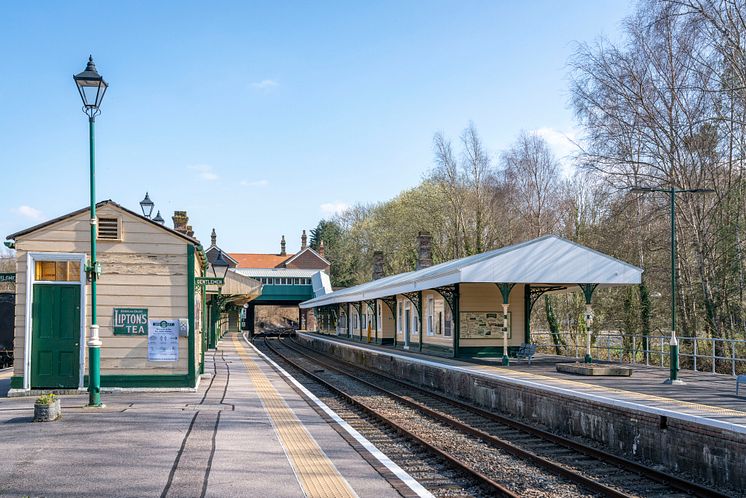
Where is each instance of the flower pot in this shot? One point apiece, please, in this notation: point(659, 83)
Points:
point(47, 412)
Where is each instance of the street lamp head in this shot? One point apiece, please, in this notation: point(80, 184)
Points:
point(92, 88)
point(219, 266)
point(701, 190)
point(640, 190)
point(147, 206)
point(159, 219)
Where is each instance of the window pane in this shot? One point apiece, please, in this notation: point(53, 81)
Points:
point(73, 271)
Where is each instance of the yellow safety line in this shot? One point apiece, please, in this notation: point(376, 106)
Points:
point(316, 474)
point(611, 391)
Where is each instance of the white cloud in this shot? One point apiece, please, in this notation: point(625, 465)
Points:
point(331, 208)
point(28, 212)
point(256, 183)
point(204, 171)
point(265, 84)
point(563, 145)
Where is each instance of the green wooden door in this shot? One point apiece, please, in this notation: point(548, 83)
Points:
point(55, 339)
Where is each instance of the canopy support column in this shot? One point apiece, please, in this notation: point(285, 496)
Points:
point(588, 293)
point(505, 289)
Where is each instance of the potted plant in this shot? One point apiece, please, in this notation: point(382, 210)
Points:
point(47, 408)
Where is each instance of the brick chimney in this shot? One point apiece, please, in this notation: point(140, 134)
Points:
point(213, 238)
point(181, 220)
point(378, 271)
point(282, 247)
point(189, 231)
point(321, 248)
point(303, 241)
point(424, 251)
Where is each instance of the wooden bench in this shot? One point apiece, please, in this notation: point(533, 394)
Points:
point(739, 379)
point(526, 351)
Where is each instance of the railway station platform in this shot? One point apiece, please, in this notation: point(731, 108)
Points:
point(245, 432)
point(699, 427)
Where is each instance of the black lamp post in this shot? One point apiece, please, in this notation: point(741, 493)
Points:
point(92, 88)
point(219, 269)
point(147, 206)
point(158, 218)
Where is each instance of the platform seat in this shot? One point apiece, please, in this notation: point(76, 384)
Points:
point(526, 351)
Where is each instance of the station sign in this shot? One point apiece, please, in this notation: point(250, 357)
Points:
point(130, 321)
point(7, 277)
point(210, 281)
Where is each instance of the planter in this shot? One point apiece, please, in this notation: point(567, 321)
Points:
point(47, 412)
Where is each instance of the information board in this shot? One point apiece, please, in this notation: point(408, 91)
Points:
point(163, 340)
point(483, 325)
point(130, 321)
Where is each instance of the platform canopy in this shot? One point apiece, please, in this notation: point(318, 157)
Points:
point(548, 260)
point(238, 289)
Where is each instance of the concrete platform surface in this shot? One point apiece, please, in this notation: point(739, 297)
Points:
point(705, 398)
point(246, 432)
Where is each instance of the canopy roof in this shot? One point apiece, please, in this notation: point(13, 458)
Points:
point(238, 289)
point(548, 260)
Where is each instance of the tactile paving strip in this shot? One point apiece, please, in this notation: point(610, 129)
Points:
point(316, 474)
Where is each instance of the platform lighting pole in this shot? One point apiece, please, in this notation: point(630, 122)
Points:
point(92, 88)
point(674, 342)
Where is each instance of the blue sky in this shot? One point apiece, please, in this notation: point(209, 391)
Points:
point(260, 119)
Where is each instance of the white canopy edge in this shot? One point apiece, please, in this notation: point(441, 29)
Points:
point(548, 260)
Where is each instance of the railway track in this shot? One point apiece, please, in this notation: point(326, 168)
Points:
point(476, 440)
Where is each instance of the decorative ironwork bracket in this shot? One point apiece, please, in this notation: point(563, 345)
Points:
point(391, 303)
point(450, 294)
point(540, 290)
point(588, 291)
point(414, 297)
point(505, 288)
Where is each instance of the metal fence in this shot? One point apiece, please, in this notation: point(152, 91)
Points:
point(701, 354)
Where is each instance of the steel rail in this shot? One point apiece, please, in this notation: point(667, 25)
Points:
point(478, 476)
point(629, 465)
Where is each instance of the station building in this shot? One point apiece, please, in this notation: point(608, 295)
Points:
point(287, 279)
point(467, 306)
point(149, 273)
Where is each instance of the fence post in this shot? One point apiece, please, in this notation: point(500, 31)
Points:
point(661, 354)
point(733, 357)
point(695, 353)
point(713, 355)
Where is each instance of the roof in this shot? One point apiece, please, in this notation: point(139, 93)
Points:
point(107, 202)
point(546, 260)
point(212, 255)
point(252, 260)
point(308, 249)
point(238, 289)
point(277, 272)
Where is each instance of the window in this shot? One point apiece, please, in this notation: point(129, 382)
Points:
point(108, 228)
point(447, 321)
point(429, 312)
point(57, 271)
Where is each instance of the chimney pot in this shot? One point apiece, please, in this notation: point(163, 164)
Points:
point(282, 247)
point(424, 250)
point(321, 248)
point(180, 220)
point(303, 240)
point(213, 238)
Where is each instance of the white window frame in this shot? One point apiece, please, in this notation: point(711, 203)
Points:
point(31, 259)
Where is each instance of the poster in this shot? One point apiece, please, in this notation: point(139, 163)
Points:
point(163, 340)
point(484, 325)
point(130, 321)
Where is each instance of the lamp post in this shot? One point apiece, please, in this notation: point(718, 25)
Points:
point(147, 206)
point(219, 269)
point(92, 88)
point(674, 342)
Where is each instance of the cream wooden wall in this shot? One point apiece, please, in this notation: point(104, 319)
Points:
point(487, 297)
point(146, 269)
point(387, 321)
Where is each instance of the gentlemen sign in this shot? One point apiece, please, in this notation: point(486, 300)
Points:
point(7, 277)
point(209, 281)
point(130, 321)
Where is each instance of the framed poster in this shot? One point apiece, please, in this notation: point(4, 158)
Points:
point(163, 340)
point(484, 325)
point(130, 321)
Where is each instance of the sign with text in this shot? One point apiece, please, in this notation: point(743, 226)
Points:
point(163, 340)
point(481, 325)
point(130, 321)
point(7, 277)
point(209, 281)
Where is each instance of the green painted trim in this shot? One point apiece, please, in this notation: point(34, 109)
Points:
point(191, 344)
point(16, 382)
point(486, 351)
point(456, 314)
point(175, 380)
point(437, 350)
point(526, 314)
point(421, 323)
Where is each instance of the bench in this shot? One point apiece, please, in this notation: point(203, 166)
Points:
point(739, 379)
point(526, 351)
